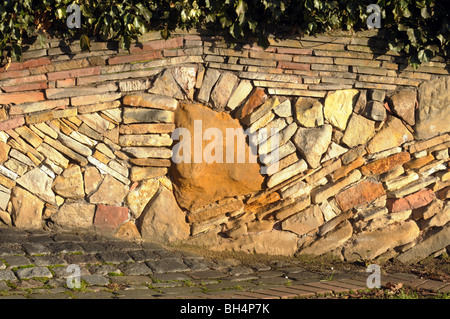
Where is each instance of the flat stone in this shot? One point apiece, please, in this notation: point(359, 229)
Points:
point(400, 182)
point(110, 217)
point(33, 272)
point(313, 143)
point(145, 140)
point(166, 85)
point(363, 192)
point(222, 90)
point(47, 261)
point(75, 215)
point(259, 113)
point(284, 109)
point(186, 77)
point(115, 257)
point(256, 98)
point(339, 106)
point(7, 275)
point(322, 193)
point(151, 101)
point(385, 164)
point(368, 245)
point(413, 201)
point(413, 187)
point(145, 152)
point(136, 269)
point(392, 134)
point(441, 218)
point(92, 179)
point(138, 198)
point(309, 112)
point(39, 184)
point(240, 94)
point(16, 261)
point(304, 222)
point(168, 266)
point(210, 79)
point(70, 183)
point(359, 131)
point(287, 173)
point(26, 209)
point(111, 192)
point(436, 240)
point(375, 111)
point(141, 173)
point(95, 280)
point(378, 95)
point(334, 150)
point(433, 108)
point(146, 115)
point(332, 240)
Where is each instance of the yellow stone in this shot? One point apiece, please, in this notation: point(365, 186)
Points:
point(339, 106)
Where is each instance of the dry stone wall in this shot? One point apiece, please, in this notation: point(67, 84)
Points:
point(355, 162)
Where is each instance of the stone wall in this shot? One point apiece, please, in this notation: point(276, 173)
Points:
point(362, 172)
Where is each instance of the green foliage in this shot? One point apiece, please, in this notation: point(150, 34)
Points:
point(418, 28)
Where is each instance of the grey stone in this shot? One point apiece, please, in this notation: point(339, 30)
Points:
point(143, 255)
point(240, 270)
point(16, 261)
point(95, 280)
point(375, 111)
point(115, 257)
point(81, 259)
point(7, 275)
point(135, 269)
point(222, 90)
point(47, 261)
point(166, 85)
point(104, 270)
point(168, 265)
point(62, 273)
point(197, 265)
point(378, 95)
point(36, 248)
point(33, 272)
point(65, 248)
point(313, 143)
point(145, 115)
point(211, 77)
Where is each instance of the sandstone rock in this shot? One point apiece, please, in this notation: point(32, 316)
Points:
point(77, 215)
point(344, 170)
point(26, 209)
point(403, 104)
point(222, 207)
point(284, 109)
point(256, 98)
point(240, 94)
point(330, 241)
point(394, 184)
point(211, 77)
point(368, 245)
point(110, 217)
point(145, 152)
point(304, 221)
point(111, 192)
point(222, 90)
point(334, 150)
point(375, 111)
point(392, 134)
point(433, 112)
point(322, 193)
point(273, 242)
point(186, 77)
point(435, 240)
point(140, 173)
point(363, 192)
point(441, 218)
point(4, 150)
point(413, 201)
point(5, 217)
point(127, 231)
point(313, 142)
point(413, 187)
point(309, 112)
point(385, 164)
point(166, 85)
point(70, 183)
point(143, 115)
point(339, 106)
point(151, 100)
point(330, 225)
point(162, 220)
point(201, 183)
point(260, 112)
point(92, 180)
point(139, 197)
point(359, 131)
point(39, 184)
point(287, 173)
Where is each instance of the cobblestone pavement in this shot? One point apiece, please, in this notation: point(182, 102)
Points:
point(34, 264)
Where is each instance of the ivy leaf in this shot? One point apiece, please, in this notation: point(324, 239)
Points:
point(85, 44)
point(165, 33)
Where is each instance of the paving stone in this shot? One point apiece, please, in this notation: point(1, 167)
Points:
point(7, 275)
point(45, 295)
point(104, 270)
point(135, 269)
point(207, 274)
point(136, 294)
point(4, 286)
point(171, 277)
point(16, 261)
point(62, 273)
point(27, 273)
point(40, 239)
point(197, 265)
point(143, 255)
point(36, 248)
point(47, 260)
point(95, 280)
point(81, 259)
point(131, 280)
point(168, 265)
point(152, 246)
point(13, 249)
point(65, 248)
point(115, 257)
point(94, 247)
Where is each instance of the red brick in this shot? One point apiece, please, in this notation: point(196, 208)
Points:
point(25, 87)
point(12, 123)
point(385, 164)
point(294, 51)
point(134, 58)
point(73, 73)
point(157, 45)
point(28, 64)
point(13, 74)
point(110, 217)
point(18, 98)
point(413, 201)
point(24, 80)
point(363, 192)
point(294, 66)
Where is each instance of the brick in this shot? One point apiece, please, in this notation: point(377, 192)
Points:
point(12, 123)
point(368, 70)
point(66, 83)
point(294, 66)
point(363, 192)
point(258, 62)
point(385, 164)
point(58, 93)
point(13, 74)
point(25, 87)
point(294, 51)
point(226, 52)
point(24, 80)
point(110, 217)
point(53, 76)
point(146, 128)
point(327, 67)
point(19, 98)
point(376, 86)
point(413, 201)
point(344, 54)
point(270, 56)
point(357, 62)
point(28, 64)
point(153, 162)
point(134, 58)
point(157, 45)
point(296, 92)
point(313, 59)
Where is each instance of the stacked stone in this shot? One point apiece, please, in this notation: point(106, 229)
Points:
point(355, 162)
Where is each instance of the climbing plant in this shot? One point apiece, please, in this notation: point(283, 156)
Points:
point(418, 28)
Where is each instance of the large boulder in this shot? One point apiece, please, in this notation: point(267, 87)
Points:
point(162, 220)
point(202, 172)
point(433, 114)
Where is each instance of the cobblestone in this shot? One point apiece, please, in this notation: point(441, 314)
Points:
point(34, 265)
